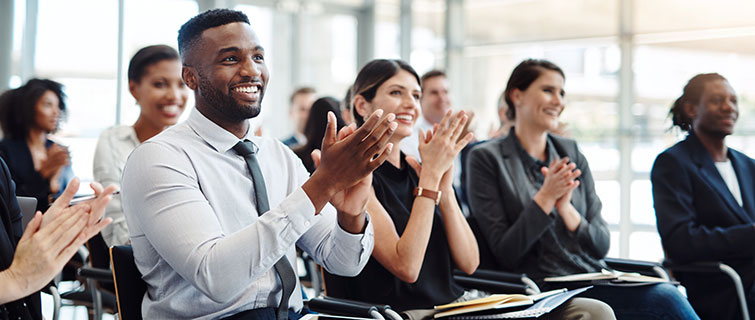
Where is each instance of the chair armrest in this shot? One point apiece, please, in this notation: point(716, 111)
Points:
point(714, 267)
point(487, 274)
point(647, 268)
point(490, 285)
point(502, 276)
point(701, 267)
point(344, 307)
point(96, 274)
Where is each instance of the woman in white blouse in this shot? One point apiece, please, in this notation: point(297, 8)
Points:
point(154, 80)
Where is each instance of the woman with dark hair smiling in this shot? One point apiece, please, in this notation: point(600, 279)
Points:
point(154, 80)
point(40, 167)
point(704, 198)
point(421, 235)
point(534, 198)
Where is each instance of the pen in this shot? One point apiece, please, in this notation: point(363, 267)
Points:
point(81, 199)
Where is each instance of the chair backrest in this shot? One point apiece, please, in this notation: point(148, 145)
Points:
point(487, 260)
point(129, 286)
point(28, 208)
point(334, 286)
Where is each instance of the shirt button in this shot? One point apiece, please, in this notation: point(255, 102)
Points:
point(306, 223)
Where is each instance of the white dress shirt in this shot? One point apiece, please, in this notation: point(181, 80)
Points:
point(113, 148)
point(730, 177)
point(197, 238)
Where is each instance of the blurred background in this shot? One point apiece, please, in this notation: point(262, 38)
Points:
point(625, 62)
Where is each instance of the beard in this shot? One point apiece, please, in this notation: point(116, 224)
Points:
point(225, 104)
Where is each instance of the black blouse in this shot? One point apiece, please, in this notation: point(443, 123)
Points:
point(394, 188)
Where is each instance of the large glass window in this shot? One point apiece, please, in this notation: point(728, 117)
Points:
point(493, 21)
point(428, 35)
point(82, 55)
point(149, 22)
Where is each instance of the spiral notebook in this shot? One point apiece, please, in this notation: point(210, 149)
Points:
point(536, 310)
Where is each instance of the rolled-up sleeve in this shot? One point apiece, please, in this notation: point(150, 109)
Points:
point(337, 250)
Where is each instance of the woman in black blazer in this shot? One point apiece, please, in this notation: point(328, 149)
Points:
point(30, 259)
point(704, 197)
point(40, 167)
point(534, 199)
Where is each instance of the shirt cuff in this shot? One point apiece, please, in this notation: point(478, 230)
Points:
point(299, 210)
point(365, 239)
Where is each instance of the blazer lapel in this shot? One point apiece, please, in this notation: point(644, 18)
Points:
point(744, 177)
point(712, 177)
point(516, 170)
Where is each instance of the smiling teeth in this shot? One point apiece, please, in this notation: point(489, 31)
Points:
point(171, 109)
point(246, 89)
point(404, 117)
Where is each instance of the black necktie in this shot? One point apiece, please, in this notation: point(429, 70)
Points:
point(247, 149)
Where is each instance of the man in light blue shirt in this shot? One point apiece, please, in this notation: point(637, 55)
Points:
point(190, 203)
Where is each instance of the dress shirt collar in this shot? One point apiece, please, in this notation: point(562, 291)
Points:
point(532, 164)
point(126, 133)
point(216, 136)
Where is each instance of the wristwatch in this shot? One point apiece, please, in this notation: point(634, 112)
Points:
point(422, 192)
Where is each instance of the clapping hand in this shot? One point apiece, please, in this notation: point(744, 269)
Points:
point(50, 240)
point(439, 147)
point(560, 180)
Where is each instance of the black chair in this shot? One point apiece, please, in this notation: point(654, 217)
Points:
point(696, 269)
point(129, 286)
point(98, 277)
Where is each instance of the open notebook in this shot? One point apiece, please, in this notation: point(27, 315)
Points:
point(493, 303)
point(604, 274)
point(543, 306)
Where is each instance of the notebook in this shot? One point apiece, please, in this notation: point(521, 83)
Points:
point(543, 306)
point(611, 275)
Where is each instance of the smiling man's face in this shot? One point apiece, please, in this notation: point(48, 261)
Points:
point(229, 66)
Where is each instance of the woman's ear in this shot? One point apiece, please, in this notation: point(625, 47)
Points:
point(188, 74)
point(516, 97)
point(362, 107)
point(132, 88)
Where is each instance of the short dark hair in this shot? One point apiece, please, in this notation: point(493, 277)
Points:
point(18, 106)
point(148, 56)
point(431, 74)
point(692, 93)
point(301, 90)
point(374, 74)
point(191, 31)
point(523, 76)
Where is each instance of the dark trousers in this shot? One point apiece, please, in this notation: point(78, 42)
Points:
point(262, 314)
point(652, 302)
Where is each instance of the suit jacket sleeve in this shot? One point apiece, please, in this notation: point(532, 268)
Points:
point(510, 235)
point(14, 210)
point(684, 238)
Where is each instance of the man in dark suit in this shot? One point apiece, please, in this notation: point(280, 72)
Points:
point(31, 260)
point(704, 197)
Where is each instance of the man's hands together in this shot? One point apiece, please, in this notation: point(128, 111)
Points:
point(344, 167)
